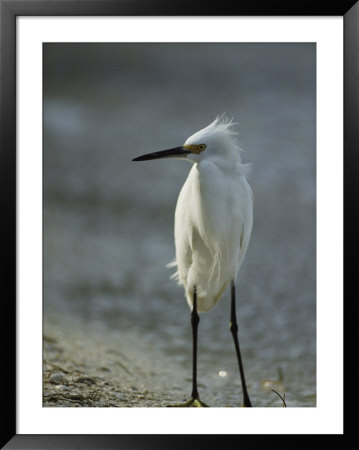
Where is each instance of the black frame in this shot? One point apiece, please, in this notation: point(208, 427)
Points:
point(9, 10)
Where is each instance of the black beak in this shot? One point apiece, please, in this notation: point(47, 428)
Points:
point(171, 153)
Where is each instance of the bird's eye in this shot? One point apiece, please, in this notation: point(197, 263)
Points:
point(201, 147)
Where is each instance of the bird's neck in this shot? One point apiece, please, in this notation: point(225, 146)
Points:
point(226, 165)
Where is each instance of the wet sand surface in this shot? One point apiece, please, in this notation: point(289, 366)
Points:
point(86, 365)
point(85, 368)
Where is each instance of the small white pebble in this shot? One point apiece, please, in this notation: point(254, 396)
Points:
point(222, 373)
point(63, 387)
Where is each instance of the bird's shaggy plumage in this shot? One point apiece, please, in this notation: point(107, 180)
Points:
point(213, 218)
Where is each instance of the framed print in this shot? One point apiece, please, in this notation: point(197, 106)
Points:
point(99, 100)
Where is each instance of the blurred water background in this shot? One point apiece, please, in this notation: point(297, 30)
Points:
point(108, 222)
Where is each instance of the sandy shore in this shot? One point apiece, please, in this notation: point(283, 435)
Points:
point(86, 365)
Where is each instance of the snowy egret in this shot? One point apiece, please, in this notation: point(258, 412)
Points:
point(213, 225)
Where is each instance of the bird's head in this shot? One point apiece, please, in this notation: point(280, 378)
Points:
point(215, 140)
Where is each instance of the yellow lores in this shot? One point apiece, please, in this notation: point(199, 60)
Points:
point(197, 149)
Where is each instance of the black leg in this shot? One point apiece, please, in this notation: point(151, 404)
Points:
point(234, 331)
point(194, 322)
point(194, 400)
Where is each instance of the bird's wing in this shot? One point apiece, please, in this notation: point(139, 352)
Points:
point(184, 257)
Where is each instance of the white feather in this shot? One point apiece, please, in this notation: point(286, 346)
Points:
point(213, 218)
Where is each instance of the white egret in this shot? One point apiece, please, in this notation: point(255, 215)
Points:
point(213, 225)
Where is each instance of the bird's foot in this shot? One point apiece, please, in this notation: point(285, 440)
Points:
point(192, 402)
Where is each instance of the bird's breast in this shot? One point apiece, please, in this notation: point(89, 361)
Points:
point(208, 227)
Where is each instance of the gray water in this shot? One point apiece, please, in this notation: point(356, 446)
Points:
point(108, 222)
